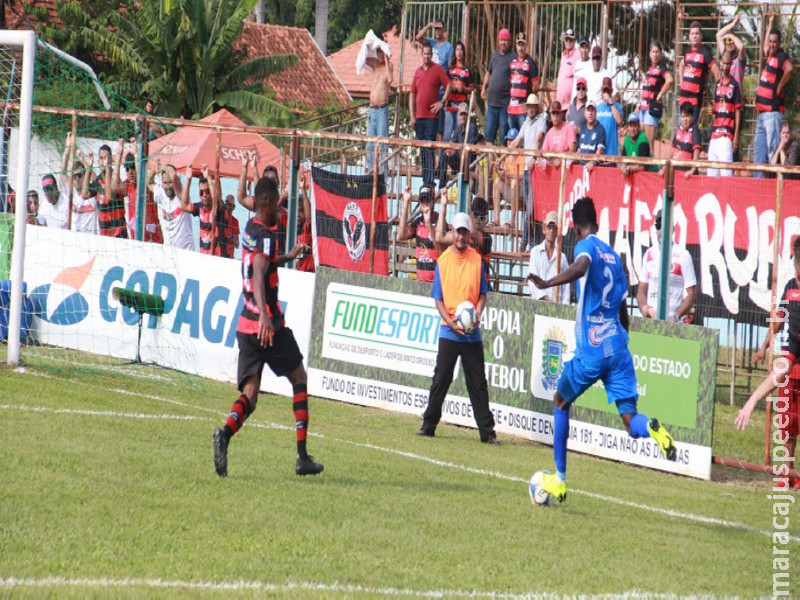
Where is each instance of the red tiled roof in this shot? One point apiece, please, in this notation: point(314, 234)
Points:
point(19, 18)
point(312, 81)
point(344, 63)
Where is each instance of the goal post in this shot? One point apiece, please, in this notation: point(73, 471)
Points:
point(26, 41)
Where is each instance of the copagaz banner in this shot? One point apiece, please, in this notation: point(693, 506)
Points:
point(343, 209)
point(726, 223)
point(374, 342)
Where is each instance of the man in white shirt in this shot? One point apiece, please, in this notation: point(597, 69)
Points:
point(531, 137)
point(595, 76)
point(544, 263)
point(54, 211)
point(682, 281)
point(584, 65)
point(176, 224)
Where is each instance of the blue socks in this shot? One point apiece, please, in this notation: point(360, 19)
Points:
point(560, 434)
point(639, 426)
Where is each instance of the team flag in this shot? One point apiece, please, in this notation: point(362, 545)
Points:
point(342, 206)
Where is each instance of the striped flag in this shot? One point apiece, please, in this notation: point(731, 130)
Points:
point(343, 222)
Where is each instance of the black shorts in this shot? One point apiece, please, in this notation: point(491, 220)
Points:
point(282, 357)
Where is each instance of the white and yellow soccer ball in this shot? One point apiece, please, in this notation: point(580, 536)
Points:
point(539, 497)
point(467, 316)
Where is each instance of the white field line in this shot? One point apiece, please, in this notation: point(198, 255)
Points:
point(450, 465)
point(305, 586)
point(99, 413)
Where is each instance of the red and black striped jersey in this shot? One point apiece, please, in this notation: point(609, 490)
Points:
point(111, 215)
point(227, 233)
point(204, 214)
point(653, 82)
point(684, 143)
point(523, 74)
point(259, 239)
point(464, 76)
point(767, 99)
point(427, 254)
point(696, 65)
point(727, 100)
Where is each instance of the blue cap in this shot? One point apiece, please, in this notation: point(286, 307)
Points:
point(512, 134)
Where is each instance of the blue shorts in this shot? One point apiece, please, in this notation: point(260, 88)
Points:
point(647, 119)
point(616, 372)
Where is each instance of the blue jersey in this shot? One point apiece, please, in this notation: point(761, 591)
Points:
point(601, 292)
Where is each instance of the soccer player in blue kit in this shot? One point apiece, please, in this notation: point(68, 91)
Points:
point(601, 338)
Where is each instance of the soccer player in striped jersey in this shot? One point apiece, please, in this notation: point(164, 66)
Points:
point(601, 339)
point(262, 334)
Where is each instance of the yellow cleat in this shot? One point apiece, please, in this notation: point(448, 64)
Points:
point(554, 487)
point(663, 439)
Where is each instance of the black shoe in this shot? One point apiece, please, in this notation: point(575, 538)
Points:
point(426, 432)
point(221, 452)
point(307, 466)
point(492, 440)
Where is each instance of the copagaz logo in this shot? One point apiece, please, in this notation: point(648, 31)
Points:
point(554, 347)
point(354, 232)
point(61, 302)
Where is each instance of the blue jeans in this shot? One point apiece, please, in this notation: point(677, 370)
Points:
point(515, 121)
point(768, 129)
point(496, 117)
point(378, 126)
point(426, 130)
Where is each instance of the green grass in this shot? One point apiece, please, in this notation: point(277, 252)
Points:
point(107, 478)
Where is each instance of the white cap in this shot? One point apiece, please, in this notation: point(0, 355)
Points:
point(461, 221)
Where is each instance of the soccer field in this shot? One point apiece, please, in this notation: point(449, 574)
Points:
point(108, 489)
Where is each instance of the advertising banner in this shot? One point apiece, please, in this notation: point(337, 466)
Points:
point(726, 223)
point(374, 343)
point(71, 277)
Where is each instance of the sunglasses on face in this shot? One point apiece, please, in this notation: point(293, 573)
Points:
point(581, 88)
point(205, 193)
point(658, 224)
point(479, 215)
point(596, 57)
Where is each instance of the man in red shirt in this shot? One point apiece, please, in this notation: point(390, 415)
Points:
point(693, 71)
point(424, 107)
point(770, 104)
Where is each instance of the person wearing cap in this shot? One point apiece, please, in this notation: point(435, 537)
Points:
point(524, 79)
point(458, 277)
point(423, 228)
point(583, 65)
point(480, 239)
point(84, 208)
point(54, 212)
point(635, 144)
point(566, 68)
point(593, 136)
point(657, 82)
point(496, 90)
point(729, 41)
point(544, 263)
point(442, 55)
point(609, 115)
point(127, 188)
point(728, 102)
point(425, 108)
point(682, 280)
point(693, 71)
point(461, 84)
point(596, 76)
point(560, 137)
point(531, 137)
point(508, 170)
point(452, 158)
point(576, 115)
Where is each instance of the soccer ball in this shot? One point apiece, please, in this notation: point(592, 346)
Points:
point(465, 314)
point(539, 497)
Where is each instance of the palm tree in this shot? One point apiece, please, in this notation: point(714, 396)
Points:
point(181, 53)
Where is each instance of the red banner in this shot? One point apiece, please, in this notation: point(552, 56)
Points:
point(342, 206)
point(727, 223)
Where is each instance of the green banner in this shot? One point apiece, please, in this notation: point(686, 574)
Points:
point(6, 243)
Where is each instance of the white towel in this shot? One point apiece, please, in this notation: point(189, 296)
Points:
point(369, 50)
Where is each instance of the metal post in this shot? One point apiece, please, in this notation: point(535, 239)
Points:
point(562, 190)
point(71, 167)
point(294, 176)
point(374, 213)
point(773, 285)
point(141, 181)
point(666, 243)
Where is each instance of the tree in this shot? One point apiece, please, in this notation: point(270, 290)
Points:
point(180, 53)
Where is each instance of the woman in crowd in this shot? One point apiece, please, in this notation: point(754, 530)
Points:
point(657, 82)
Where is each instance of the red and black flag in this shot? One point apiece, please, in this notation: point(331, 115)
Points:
point(343, 222)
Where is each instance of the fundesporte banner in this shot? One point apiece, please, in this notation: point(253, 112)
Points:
point(726, 223)
point(374, 343)
point(70, 278)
